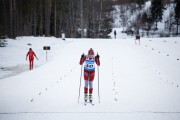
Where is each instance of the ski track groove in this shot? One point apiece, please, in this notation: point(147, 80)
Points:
point(146, 112)
point(57, 82)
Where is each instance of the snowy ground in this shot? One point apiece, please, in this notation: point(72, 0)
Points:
point(137, 82)
point(13, 57)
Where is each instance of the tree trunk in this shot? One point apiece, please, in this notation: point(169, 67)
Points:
point(93, 15)
point(60, 24)
point(14, 19)
point(71, 18)
point(5, 18)
point(55, 18)
point(34, 19)
point(41, 19)
point(47, 17)
point(11, 19)
point(82, 26)
point(100, 17)
point(177, 27)
point(156, 26)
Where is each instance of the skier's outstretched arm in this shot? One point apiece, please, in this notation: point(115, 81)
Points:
point(27, 55)
point(35, 55)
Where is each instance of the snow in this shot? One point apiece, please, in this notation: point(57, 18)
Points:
point(137, 82)
point(13, 57)
point(165, 26)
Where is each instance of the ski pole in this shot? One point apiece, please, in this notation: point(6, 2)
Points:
point(80, 84)
point(98, 84)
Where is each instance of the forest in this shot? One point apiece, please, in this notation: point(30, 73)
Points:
point(76, 18)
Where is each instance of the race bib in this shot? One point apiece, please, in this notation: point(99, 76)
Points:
point(89, 64)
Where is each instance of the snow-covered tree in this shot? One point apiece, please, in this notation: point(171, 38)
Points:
point(177, 13)
point(157, 11)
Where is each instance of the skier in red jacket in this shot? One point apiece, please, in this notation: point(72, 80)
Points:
point(31, 55)
point(89, 72)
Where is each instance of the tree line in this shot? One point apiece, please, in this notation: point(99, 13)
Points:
point(80, 18)
point(148, 19)
point(75, 18)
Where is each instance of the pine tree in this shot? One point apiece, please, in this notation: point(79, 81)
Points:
point(157, 11)
point(106, 22)
point(177, 13)
point(3, 18)
point(106, 28)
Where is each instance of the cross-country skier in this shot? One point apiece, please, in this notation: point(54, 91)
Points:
point(115, 34)
point(31, 55)
point(89, 72)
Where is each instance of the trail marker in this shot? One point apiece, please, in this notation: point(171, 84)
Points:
point(46, 48)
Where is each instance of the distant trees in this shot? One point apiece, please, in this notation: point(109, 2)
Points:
point(3, 14)
point(146, 18)
point(97, 19)
point(146, 22)
point(140, 3)
point(33, 17)
point(106, 20)
point(80, 18)
point(177, 14)
point(157, 8)
point(134, 6)
point(52, 17)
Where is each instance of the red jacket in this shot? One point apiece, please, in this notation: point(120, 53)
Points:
point(84, 58)
point(31, 55)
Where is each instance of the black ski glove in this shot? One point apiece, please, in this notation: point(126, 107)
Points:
point(97, 56)
point(82, 56)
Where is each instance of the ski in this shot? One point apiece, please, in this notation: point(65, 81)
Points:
point(92, 103)
point(85, 103)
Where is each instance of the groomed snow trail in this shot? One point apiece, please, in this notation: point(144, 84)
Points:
point(130, 87)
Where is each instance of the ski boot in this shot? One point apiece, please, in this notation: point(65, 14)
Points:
point(85, 97)
point(90, 98)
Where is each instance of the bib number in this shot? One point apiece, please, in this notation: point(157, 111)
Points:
point(89, 66)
